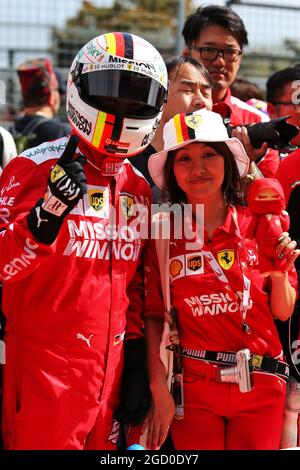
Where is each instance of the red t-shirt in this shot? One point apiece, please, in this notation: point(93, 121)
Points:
point(207, 316)
point(242, 114)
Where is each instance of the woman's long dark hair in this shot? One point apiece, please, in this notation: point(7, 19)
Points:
point(231, 186)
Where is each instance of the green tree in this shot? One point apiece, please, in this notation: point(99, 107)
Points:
point(154, 20)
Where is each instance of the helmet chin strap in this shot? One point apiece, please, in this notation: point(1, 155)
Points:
point(108, 165)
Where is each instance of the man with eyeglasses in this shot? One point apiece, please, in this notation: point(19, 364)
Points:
point(216, 35)
point(283, 98)
point(190, 88)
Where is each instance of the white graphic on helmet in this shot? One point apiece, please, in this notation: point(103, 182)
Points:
point(116, 89)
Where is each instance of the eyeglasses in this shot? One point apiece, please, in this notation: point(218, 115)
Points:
point(211, 53)
point(288, 103)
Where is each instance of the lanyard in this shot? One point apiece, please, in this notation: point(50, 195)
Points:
point(244, 268)
point(241, 254)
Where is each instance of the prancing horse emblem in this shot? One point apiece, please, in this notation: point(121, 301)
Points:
point(226, 258)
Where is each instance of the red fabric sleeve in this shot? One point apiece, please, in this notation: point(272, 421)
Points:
point(135, 292)
point(288, 173)
point(269, 164)
point(22, 184)
point(154, 304)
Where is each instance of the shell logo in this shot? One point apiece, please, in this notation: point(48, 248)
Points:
point(175, 267)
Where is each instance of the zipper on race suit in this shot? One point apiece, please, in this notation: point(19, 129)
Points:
point(112, 222)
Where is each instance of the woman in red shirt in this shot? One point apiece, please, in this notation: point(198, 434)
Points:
point(224, 307)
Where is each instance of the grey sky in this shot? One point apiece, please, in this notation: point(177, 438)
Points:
point(27, 24)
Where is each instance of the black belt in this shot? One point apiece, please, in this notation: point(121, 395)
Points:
point(227, 358)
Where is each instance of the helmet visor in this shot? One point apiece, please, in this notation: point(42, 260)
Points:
point(123, 93)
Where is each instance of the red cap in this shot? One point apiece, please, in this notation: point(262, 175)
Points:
point(266, 206)
point(37, 79)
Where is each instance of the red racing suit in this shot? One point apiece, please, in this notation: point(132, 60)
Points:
point(208, 318)
point(67, 313)
point(242, 114)
point(288, 175)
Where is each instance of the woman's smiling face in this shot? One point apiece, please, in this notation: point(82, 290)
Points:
point(199, 171)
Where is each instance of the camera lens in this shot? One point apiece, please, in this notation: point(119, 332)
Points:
point(277, 133)
point(229, 374)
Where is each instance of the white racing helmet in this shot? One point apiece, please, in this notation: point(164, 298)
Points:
point(116, 89)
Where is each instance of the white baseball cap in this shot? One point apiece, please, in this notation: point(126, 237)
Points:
point(200, 126)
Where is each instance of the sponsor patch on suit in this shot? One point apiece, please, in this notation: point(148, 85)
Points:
point(127, 205)
point(95, 203)
point(226, 258)
point(186, 265)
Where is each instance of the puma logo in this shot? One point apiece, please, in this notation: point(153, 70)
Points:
point(87, 340)
point(38, 214)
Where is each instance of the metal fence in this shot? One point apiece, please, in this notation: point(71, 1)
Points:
point(274, 36)
point(35, 28)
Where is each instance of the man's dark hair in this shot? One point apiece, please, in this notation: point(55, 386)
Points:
point(214, 15)
point(276, 83)
point(175, 63)
point(231, 186)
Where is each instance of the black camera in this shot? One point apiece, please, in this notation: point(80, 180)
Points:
point(277, 132)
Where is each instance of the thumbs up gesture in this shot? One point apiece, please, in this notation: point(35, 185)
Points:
point(67, 181)
point(66, 186)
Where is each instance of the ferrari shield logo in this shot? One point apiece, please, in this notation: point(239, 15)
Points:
point(96, 198)
point(226, 259)
point(193, 121)
point(127, 205)
point(56, 173)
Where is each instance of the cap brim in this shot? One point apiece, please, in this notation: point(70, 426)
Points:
point(157, 160)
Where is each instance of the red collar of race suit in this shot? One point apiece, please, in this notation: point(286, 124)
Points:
point(106, 164)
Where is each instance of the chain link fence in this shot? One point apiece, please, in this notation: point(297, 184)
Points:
point(55, 29)
point(36, 28)
point(274, 37)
